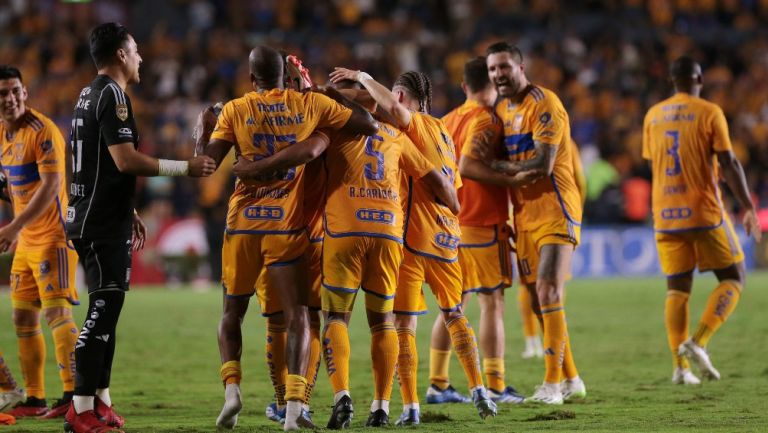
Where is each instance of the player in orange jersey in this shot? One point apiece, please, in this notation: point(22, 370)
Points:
point(547, 210)
point(43, 270)
point(484, 251)
point(266, 227)
point(685, 138)
point(432, 236)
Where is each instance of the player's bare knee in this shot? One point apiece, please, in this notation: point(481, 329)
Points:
point(377, 318)
point(336, 316)
point(277, 319)
point(680, 283)
point(735, 272)
point(23, 317)
point(54, 313)
point(406, 321)
point(491, 303)
point(450, 316)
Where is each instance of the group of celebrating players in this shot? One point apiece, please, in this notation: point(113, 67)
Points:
point(346, 188)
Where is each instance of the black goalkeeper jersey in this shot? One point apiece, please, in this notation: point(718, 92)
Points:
point(101, 198)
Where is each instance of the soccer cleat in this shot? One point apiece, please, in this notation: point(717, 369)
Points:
point(298, 74)
point(58, 410)
point(341, 415)
point(683, 376)
point(573, 389)
point(409, 417)
point(233, 403)
point(275, 414)
point(304, 420)
point(546, 393)
point(107, 414)
point(485, 406)
point(31, 407)
point(509, 395)
point(698, 355)
point(86, 422)
point(448, 395)
point(379, 418)
point(9, 399)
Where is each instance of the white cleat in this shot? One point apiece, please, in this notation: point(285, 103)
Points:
point(233, 403)
point(698, 355)
point(9, 399)
point(547, 393)
point(573, 389)
point(683, 376)
point(533, 348)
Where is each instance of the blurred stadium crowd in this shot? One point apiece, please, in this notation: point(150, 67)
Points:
point(606, 59)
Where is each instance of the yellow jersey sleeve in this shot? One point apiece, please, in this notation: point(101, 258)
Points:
point(330, 113)
point(721, 141)
point(647, 135)
point(49, 150)
point(481, 124)
point(224, 129)
point(412, 161)
point(550, 122)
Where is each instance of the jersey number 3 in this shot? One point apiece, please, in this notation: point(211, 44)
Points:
point(674, 152)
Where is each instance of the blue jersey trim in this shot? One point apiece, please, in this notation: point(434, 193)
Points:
point(411, 313)
point(457, 307)
point(488, 244)
point(519, 143)
point(692, 229)
point(485, 289)
point(562, 204)
point(378, 295)
point(285, 263)
point(27, 172)
point(339, 289)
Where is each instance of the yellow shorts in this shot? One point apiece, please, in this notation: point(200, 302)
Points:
point(41, 275)
point(245, 256)
point(485, 258)
point(444, 278)
point(712, 249)
point(529, 243)
point(354, 262)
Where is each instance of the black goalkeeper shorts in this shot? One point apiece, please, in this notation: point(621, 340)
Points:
point(107, 263)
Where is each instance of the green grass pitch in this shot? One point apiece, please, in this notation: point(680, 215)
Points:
point(166, 368)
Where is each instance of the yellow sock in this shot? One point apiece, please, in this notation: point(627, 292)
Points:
point(554, 341)
point(64, 332)
point(313, 364)
point(230, 372)
point(439, 363)
point(569, 370)
point(676, 322)
point(465, 345)
point(295, 387)
point(384, 352)
point(32, 357)
point(407, 365)
point(274, 350)
point(720, 305)
point(526, 312)
point(6, 378)
point(493, 368)
point(336, 352)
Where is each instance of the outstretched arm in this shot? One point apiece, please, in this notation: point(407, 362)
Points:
point(734, 176)
point(292, 156)
point(361, 121)
point(443, 189)
point(383, 96)
point(542, 163)
point(470, 168)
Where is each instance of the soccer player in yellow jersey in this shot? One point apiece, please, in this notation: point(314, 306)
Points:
point(266, 227)
point(547, 210)
point(43, 270)
point(363, 248)
point(685, 138)
point(432, 236)
point(484, 251)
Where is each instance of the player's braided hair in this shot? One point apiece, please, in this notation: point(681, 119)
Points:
point(419, 86)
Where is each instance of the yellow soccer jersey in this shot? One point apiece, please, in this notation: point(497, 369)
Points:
point(260, 124)
point(37, 147)
point(314, 198)
point(541, 117)
point(364, 176)
point(431, 230)
point(680, 137)
point(481, 204)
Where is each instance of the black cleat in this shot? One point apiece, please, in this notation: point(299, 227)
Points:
point(378, 419)
point(341, 416)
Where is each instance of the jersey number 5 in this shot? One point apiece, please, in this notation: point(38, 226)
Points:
point(371, 172)
point(673, 151)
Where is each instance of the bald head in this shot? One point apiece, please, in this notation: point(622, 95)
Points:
point(266, 66)
point(685, 74)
